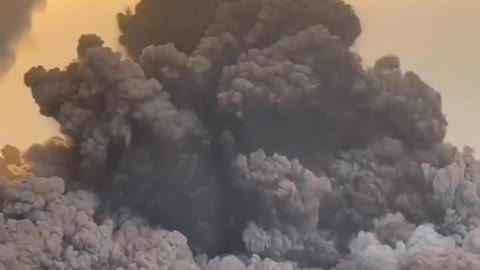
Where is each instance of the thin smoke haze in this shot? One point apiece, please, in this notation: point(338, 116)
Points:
point(15, 21)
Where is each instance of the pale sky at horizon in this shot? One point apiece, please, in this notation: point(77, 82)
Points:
point(438, 39)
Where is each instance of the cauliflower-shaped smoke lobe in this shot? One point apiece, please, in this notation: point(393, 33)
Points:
point(117, 119)
point(261, 135)
point(41, 227)
point(184, 22)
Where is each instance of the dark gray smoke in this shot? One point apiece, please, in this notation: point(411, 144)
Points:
point(156, 22)
point(15, 20)
point(183, 22)
point(264, 141)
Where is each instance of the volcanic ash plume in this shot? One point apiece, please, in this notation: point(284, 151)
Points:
point(44, 228)
point(261, 138)
point(15, 20)
point(158, 22)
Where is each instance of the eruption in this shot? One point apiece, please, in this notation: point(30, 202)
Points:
point(159, 23)
point(260, 137)
point(15, 20)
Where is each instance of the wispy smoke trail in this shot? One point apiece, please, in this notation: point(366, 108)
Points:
point(15, 20)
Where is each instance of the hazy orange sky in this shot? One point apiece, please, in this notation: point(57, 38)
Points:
point(51, 43)
point(438, 39)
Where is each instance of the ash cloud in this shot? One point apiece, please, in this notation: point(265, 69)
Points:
point(158, 22)
point(264, 141)
point(15, 20)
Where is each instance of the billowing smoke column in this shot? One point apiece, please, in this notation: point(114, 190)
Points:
point(158, 22)
point(264, 141)
point(15, 20)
